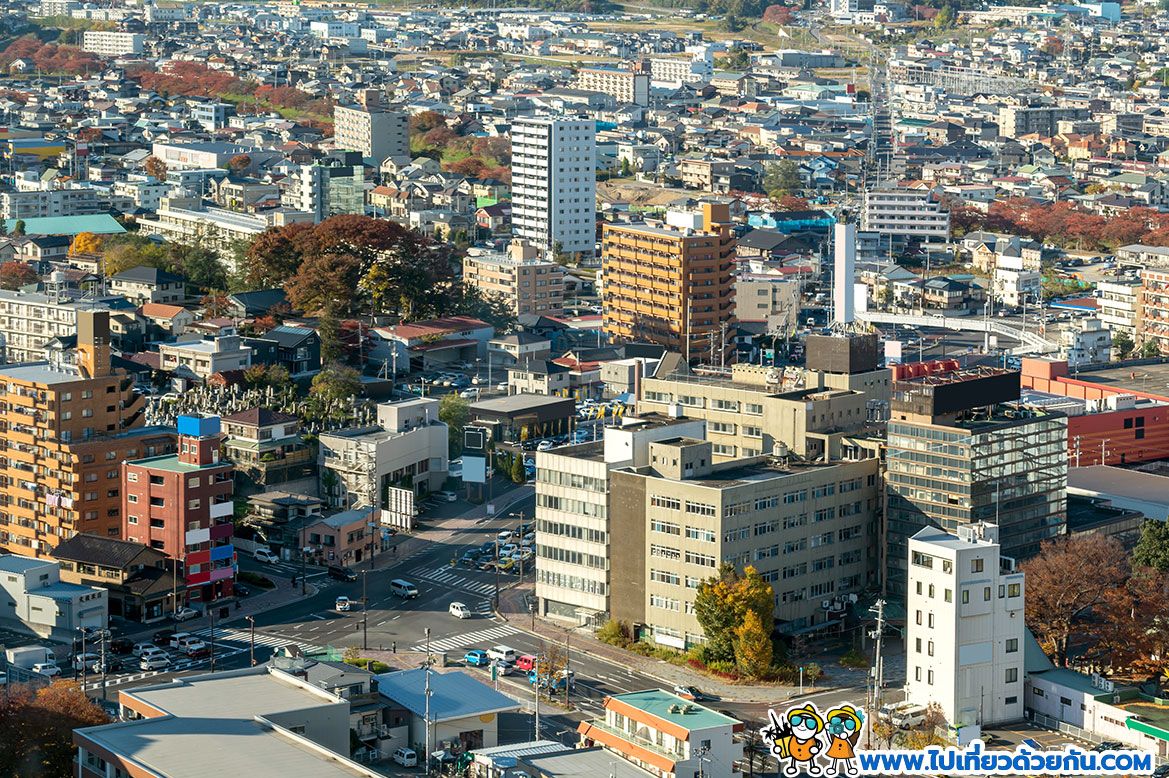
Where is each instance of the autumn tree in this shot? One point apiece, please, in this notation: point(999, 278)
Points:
point(753, 646)
point(425, 121)
point(335, 385)
point(36, 728)
point(155, 168)
point(791, 203)
point(85, 243)
point(1131, 626)
point(721, 605)
point(275, 255)
point(239, 163)
point(1070, 576)
point(778, 14)
point(263, 377)
point(926, 734)
point(14, 275)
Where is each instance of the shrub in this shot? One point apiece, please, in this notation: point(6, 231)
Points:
point(378, 667)
point(614, 633)
point(855, 659)
point(642, 649)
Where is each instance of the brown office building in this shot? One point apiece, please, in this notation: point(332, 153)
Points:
point(64, 430)
point(669, 282)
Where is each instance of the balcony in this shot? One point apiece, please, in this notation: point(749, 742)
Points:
point(599, 724)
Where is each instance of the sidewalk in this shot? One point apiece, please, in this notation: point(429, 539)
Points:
point(513, 608)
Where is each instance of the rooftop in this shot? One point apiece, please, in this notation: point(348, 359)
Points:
point(670, 707)
point(41, 373)
point(171, 463)
point(517, 402)
point(453, 695)
point(11, 563)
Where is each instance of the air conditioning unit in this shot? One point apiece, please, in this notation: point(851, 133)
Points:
point(826, 604)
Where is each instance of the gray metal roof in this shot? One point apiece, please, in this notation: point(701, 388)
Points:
point(454, 695)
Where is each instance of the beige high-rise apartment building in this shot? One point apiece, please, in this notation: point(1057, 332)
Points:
point(625, 85)
point(374, 132)
point(527, 281)
point(809, 528)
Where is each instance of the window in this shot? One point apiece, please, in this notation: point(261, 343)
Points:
point(930, 621)
point(664, 576)
point(659, 501)
point(700, 559)
point(931, 591)
point(665, 527)
point(1065, 700)
point(755, 409)
point(1012, 645)
point(948, 595)
point(930, 678)
point(132, 498)
point(665, 603)
point(697, 533)
point(918, 618)
point(965, 596)
point(930, 648)
point(917, 673)
point(1012, 675)
point(976, 565)
point(1011, 700)
point(664, 552)
point(917, 645)
point(1014, 590)
point(157, 502)
point(986, 593)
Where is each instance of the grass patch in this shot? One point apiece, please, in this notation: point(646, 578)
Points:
point(255, 579)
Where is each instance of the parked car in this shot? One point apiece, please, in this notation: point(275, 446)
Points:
point(47, 668)
point(544, 445)
point(265, 555)
point(154, 662)
point(185, 614)
point(1108, 745)
point(141, 648)
point(121, 646)
point(446, 496)
point(477, 658)
point(487, 548)
point(459, 610)
point(342, 603)
point(239, 590)
point(177, 639)
point(162, 637)
point(196, 647)
point(406, 757)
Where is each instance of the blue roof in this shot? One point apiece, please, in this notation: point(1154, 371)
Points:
point(453, 695)
point(63, 591)
point(11, 563)
point(98, 224)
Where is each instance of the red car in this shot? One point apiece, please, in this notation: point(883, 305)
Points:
point(201, 651)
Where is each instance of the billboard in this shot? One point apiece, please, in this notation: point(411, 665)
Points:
point(400, 510)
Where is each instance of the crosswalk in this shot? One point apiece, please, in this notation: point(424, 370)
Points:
point(453, 578)
point(229, 635)
point(470, 640)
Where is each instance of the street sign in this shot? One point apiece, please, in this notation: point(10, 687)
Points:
point(490, 510)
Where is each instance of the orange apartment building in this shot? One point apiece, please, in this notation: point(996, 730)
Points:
point(670, 282)
point(64, 431)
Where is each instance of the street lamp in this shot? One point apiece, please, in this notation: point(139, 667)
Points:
point(372, 541)
point(252, 621)
point(304, 552)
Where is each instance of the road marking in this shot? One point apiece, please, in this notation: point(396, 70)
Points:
point(318, 616)
point(470, 639)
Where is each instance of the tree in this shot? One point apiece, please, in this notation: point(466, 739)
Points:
point(782, 179)
point(201, 266)
point(926, 734)
point(18, 228)
point(85, 243)
point(1122, 344)
point(455, 412)
point(335, 385)
point(945, 18)
point(1070, 576)
point(36, 728)
point(753, 646)
point(1152, 550)
point(1150, 349)
point(263, 377)
point(329, 331)
point(518, 474)
point(778, 14)
point(14, 275)
point(155, 168)
point(239, 163)
point(721, 606)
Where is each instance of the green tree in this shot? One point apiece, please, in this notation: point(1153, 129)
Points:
point(625, 168)
point(455, 412)
point(782, 178)
point(945, 18)
point(329, 330)
point(753, 646)
point(18, 228)
point(1122, 344)
point(335, 385)
point(199, 265)
point(1152, 550)
point(517, 470)
point(1150, 349)
point(721, 606)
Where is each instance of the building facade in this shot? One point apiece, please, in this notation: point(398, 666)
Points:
point(905, 214)
point(670, 283)
point(109, 43)
point(1119, 303)
point(965, 632)
point(37, 601)
point(331, 186)
point(377, 134)
point(522, 277)
point(181, 504)
point(553, 166)
point(625, 85)
point(809, 529)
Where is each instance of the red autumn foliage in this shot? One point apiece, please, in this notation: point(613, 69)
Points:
point(50, 57)
point(778, 14)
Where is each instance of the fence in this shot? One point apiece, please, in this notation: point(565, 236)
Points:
point(1047, 722)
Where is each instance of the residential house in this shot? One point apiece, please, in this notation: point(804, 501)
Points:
point(145, 284)
point(142, 583)
point(267, 450)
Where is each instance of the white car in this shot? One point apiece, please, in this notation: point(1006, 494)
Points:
point(342, 603)
point(545, 445)
point(87, 662)
point(47, 668)
point(143, 648)
point(507, 550)
point(503, 536)
point(459, 610)
point(176, 640)
point(185, 614)
point(265, 555)
point(155, 662)
point(446, 496)
point(405, 757)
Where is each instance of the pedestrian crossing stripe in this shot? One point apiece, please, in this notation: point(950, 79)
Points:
point(229, 635)
point(469, 640)
point(444, 575)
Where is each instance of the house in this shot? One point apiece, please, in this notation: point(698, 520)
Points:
point(169, 319)
point(36, 601)
point(267, 449)
point(246, 305)
point(296, 349)
point(277, 517)
point(666, 735)
point(539, 377)
point(346, 538)
point(464, 712)
point(145, 284)
point(519, 347)
point(426, 345)
point(201, 358)
point(141, 581)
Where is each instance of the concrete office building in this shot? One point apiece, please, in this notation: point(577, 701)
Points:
point(964, 632)
point(1119, 303)
point(109, 43)
point(904, 215)
point(36, 601)
point(828, 409)
point(625, 85)
point(408, 442)
point(553, 164)
point(572, 515)
point(328, 187)
point(959, 452)
point(376, 133)
point(670, 282)
point(181, 504)
point(809, 528)
point(522, 276)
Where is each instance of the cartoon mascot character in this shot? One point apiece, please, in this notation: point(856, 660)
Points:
point(844, 730)
point(796, 739)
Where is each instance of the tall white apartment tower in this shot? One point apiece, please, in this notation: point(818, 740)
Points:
point(965, 634)
point(554, 182)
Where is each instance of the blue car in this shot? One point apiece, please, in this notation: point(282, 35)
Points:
point(476, 658)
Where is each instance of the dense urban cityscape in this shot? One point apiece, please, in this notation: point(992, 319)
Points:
point(583, 389)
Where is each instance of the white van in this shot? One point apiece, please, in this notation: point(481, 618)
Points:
point(888, 709)
point(406, 757)
point(502, 652)
point(265, 555)
point(403, 589)
point(459, 610)
point(908, 717)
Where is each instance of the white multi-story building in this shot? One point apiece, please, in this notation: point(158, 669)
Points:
point(1086, 342)
point(553, 164)
point(108, 43)
point(625, 85)
point(37, 601)
point(671, 73)
point(55, 201)
point(965, 633)
point(378, 134)
point(1012, 286)
point(907, 214)
point(215, 228)
point(1118, 304)
point(30, 320)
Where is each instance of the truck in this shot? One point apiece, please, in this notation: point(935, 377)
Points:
point(27, 656)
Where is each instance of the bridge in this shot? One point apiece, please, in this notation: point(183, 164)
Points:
point(1032, 343)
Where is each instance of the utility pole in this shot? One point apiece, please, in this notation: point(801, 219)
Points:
point(567, 667)
point(1077, 450)
point(536, 687)
point(303, 570)
point(1104, 451)
point(252, 621)
point(211, 613)
point(105, 634)
point(427, 722)
point(876, 673)
point(365, 619)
